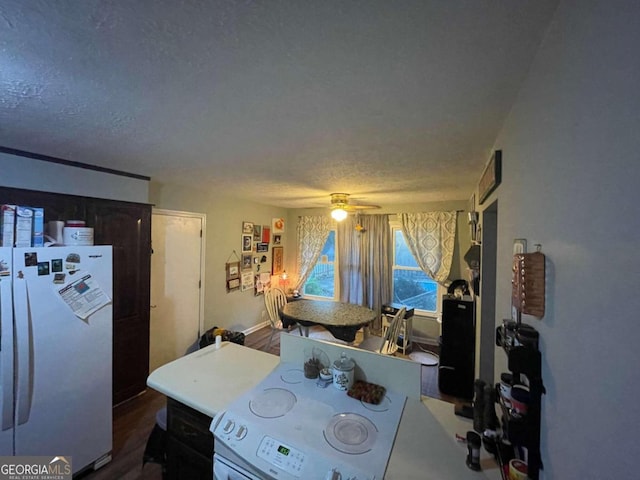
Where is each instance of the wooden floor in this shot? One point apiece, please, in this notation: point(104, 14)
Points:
point(134, 420)
point(132, 424)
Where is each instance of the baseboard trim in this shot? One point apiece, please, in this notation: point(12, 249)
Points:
point(255, 328)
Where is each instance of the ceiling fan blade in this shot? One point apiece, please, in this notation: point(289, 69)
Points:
point(361, 207)
point(341, 201)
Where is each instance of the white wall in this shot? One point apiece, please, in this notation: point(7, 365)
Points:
point(236, 310)
point(31, 174)
point(570, 182)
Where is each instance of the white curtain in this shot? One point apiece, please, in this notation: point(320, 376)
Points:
point(312, 234)
point(364, 257)
point(430, 237)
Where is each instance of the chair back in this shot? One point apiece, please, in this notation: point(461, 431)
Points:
point(274, 300)
point(390, 343)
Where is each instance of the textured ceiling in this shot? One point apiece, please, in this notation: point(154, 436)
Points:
point(282, 102)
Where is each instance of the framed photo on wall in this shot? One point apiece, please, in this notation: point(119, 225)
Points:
point(247, 281)
point(277, 239)
point(277, 225)
point(246, 261)
point(491, 177)
point(257, 233)
point(233, 284)
point(233, 270)
point(247, 227)
point(277, 266)
point(247, 243)
point(233, 276)
point(266, 233)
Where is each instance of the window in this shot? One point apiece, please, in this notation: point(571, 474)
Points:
point(411, 286)
point(322, 281)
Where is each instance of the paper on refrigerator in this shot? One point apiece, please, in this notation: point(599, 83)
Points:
point(83, 295)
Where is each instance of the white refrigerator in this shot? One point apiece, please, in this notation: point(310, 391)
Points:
point(56, 353)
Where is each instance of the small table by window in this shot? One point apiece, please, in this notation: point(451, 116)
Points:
point(343, 320)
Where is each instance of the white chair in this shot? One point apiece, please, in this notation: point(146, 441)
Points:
point(274, 300)
point(388, 343)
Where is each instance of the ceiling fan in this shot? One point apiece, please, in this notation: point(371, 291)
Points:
point(340, 206)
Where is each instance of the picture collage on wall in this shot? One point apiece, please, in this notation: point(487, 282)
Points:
point(249, 273)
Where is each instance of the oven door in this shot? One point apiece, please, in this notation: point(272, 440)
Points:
point(224, 469)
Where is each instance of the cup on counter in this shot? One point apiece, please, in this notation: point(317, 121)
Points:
point(325, 377)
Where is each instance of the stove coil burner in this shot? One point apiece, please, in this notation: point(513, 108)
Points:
point(272, 403)
point(351, 433)
point(292, 376)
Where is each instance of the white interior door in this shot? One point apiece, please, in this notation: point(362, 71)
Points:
point(177, 266)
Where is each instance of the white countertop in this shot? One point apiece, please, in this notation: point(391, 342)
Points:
point(425, 447)
point(208, 380)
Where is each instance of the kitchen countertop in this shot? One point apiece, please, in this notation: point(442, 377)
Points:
point(425, 446)
point(208, 379)
point(426, 449)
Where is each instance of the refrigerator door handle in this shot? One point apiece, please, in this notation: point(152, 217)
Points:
point(24, 351)
point(6, 353)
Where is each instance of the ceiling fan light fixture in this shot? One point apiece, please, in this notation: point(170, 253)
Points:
point(340, 206)
point(338, 214)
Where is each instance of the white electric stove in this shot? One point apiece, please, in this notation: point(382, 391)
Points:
point(288, 427)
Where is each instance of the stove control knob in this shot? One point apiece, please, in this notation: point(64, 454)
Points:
point(333, 475)
point(241, 433)
point(229, 426)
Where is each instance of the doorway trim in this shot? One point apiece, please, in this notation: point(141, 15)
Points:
point(489, 252)
point(203, 243)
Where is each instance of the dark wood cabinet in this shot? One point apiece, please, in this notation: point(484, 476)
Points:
point(189, 443)
point(127, 227)
point(184, 463)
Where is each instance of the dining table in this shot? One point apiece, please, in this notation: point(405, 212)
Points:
point(342, 319)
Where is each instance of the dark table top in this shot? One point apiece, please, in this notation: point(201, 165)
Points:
point(343, 320)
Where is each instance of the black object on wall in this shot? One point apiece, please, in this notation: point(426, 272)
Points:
point(457, 348)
